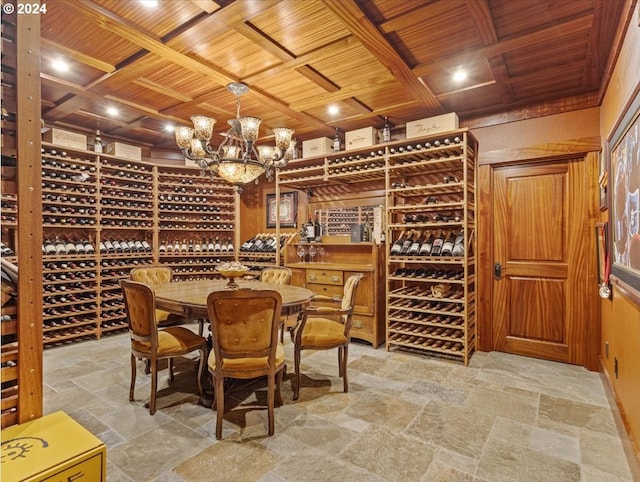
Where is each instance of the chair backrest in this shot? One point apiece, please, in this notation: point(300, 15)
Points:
point(140, 305)
point(151, 275)
point(276, 275)
point(244, 323)
point(349, 295)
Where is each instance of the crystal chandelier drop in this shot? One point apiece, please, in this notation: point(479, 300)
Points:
point(237, 159)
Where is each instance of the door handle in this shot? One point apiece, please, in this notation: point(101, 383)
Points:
point(497, 271)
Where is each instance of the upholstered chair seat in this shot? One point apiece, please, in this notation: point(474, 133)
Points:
point(244, 330)
point(278, 275)
point(321, 327)
point(153, 344)
point(157, 275)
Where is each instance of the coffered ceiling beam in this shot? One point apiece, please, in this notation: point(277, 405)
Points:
point(375, 42)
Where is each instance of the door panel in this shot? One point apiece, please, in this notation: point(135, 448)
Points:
point(540, 221)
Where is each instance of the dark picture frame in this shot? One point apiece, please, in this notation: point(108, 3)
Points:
point(288, 210)
point(624, 186)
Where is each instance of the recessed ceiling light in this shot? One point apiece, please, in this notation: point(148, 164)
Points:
point(333, 109)
point(112, 111)
point(460, 75)
point(149, 3)
point(60, 65)
point(169, 127)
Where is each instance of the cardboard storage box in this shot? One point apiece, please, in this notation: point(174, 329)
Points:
point(125, 150)
point(52, 448)
point(320, 146)
point(432, 125)
point(365, 137)
point(65, 139)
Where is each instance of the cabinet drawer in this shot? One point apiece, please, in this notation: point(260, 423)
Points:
point(362, 325)
point(327, 290)
point(327, 277)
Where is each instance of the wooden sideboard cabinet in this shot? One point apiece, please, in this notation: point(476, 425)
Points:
point(326, 275)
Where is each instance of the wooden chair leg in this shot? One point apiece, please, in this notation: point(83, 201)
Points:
point(340, 368)
point(296, 364)
point(345, 353)
point(270, 402)
point(200, 369)
point(133, 377)
point(154, 386)
point(171, 374)
point(279, 384)
point(219, 394)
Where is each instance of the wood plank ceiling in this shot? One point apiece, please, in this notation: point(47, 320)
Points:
point(370, 58)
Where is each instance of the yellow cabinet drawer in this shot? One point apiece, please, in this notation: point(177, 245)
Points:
point(327, 290)
point(361, 325)
point(52, 448)
point(323, 276)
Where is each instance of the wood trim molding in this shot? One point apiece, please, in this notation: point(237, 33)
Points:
point(556, 150)
point(630, 446)
point(625, 290)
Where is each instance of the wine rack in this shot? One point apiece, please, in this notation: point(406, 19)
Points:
point(430, 188)
point(338, 221)
point(196, 223)
point(9, 361)
point(260, 251)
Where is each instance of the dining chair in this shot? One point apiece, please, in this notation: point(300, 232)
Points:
point(153, 344)
point(157, 275)
point(281, 276)
point(322, 327)
point(244, 329)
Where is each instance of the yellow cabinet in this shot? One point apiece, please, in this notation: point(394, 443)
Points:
point(328, 278)
point(52, 448)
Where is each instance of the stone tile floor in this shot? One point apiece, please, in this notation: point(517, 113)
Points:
point(406, 417)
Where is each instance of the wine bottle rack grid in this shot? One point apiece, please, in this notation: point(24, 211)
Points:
point(430, 213)
point(102, 217)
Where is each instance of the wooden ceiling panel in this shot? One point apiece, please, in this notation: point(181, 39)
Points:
point(514, 18)
point(547, 55)
point(76, 33)
point(372, 58)
point(159, 21)
point(235, 54)
point(300, 26)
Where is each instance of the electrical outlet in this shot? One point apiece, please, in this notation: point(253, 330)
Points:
point(615, 367)
point(606, 350)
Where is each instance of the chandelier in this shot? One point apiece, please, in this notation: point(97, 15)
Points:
point(237, 159)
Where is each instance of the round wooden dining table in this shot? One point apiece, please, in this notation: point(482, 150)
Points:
point(189, 298)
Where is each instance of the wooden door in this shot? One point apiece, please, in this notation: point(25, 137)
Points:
point(542, 219)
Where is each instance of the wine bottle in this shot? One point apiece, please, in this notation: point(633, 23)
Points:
point(414, 249)
point(458, 245)
point(447, 245)
point(49, 248)
point(183, 246)
point(88, 247)
point(336, 141)
point(316, 228)
point(217, 247)
point(386, 131)
point(97, 142)
point(162, 248)
point(407, 244)
point(60, 246)
point(210, 245)
point(397, 246)
point(310, 230)
point(425, 249)
point(436, 247)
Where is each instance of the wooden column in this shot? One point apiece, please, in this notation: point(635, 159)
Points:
point(29, 249)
